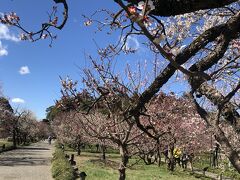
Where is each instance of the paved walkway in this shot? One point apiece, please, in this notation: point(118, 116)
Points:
point(27, 163)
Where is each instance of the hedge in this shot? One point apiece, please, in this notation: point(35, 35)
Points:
point(61, 168)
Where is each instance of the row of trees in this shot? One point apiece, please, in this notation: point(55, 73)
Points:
point(84, 119)
point(21, 126)
point(196, 42)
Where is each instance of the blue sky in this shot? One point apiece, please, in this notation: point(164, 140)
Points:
point(29, 72)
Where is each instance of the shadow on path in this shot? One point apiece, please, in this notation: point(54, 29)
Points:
point(25, 161)
point(33, 148)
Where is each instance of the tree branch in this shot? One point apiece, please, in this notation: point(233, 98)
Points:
point(176, 7)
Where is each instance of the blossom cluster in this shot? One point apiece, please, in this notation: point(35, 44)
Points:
point(144, 11)
point(10, 19)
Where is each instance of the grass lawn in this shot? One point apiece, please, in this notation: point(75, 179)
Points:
point(96, 169)
point(7, 143)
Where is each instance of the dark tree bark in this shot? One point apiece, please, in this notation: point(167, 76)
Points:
point(171, 160)
point(18, 137)
point(103, 152)
point(78, 148)
point(176, 7)
point(14, 139)
point(228, 111)
point(219, 135)
point(97, 147)
point(215, 156)
point(24, 139)
point(159, 157)
point(199, 43)
point(227, 148)
point(124, 162)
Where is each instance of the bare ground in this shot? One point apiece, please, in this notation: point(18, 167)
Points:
point(27, 163)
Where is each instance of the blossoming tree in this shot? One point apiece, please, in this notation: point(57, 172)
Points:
point(104, 119)
point(179, 125)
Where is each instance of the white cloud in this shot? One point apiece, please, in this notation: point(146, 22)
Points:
point(24, 70)
point(132, 43)
point(3, 50)
point(6, 35)
point(18, 100)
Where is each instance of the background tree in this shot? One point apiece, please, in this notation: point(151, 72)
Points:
point(7, 120)
point(21, 125)
point(176, 119)
point(26, 126)
point(44, 129)
point(104, 120)
point(68, 130)
point(51, 113)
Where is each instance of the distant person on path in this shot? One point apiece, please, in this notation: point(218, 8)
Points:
point(49, 139)
point(177, 154)
point(165, 153)
point(185, 159)
point(190, 159)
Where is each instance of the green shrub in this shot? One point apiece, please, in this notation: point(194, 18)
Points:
point(61, 168)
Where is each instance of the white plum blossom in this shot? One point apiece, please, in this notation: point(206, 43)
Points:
point(150, 5)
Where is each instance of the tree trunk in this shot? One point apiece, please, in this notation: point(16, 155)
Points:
point(78, 149)
point(176, 7)
point(18, 140)
point(103, 152)
point(122, 173)
point(215, 158)
point(24, 139)
point(123, 164)
point(158, 156)
point(97, 147)
point(227, 148)
point(171, 160)
point(14, 139)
